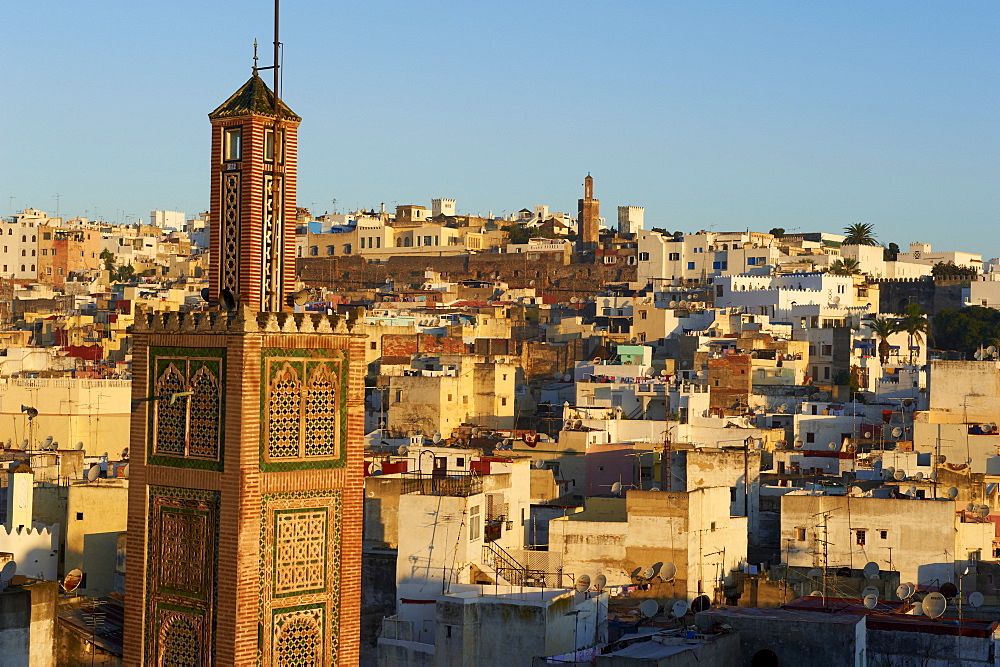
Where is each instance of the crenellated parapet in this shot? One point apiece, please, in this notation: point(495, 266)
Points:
point(243, 320)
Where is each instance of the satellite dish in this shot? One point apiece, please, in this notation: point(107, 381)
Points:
point(917, 609)
point(678, 608)
point(798, 443)
point(866, 434)
point(976, 599)
point(93, 473)
point(600, 581)
point(654, 488)
point(816, 594)
point(952, 493)
point(648, 573)
point(539, 464)
point(72, 580)
point(871, 601)
point(47, 443)
point(8, 571)
point(124, 471)
point(668, 571)
point(78, 446)
point(934, 605)
point(616, 487)
point(783, 408)
point(948, 590)
point(983, 511)
point(899, 475)
point(941, 458)
point(124, 454)
point(869, 590)
point(919, 476)
point(823, 395)
point(403, 449)
point(648, 608)
point(896, 432)
point(299, 298)
point(206, 294)
point(436, 438)
point(507, 442)
point(30, 411)
point(971, 507)
point(567, 377)
point(904, 591)
point(857, 491)
point(815, 573)
point(871, 570)
point(833, 446)
point(583, 583)
point(912, 491)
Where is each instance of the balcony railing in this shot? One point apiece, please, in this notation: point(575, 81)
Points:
point(455, 484)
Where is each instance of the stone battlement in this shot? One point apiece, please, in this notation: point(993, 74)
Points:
point(242, 320)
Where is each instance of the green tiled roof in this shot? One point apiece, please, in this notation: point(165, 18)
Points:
point(253, 98)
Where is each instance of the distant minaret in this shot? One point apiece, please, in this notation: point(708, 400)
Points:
point(589, 213)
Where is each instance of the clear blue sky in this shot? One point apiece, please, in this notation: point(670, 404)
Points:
point(728, 114)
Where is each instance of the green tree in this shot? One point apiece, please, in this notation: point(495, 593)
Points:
point(519, 233)
point(916, 326)
point(883, 327)
point(777, 232)
point(890, 252)
point(860, 233)
point(846, 266)
point(109, 260)
point(951, 270)
point(967, 329)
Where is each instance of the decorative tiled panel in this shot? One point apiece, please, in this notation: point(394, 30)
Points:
point(303, 409)
point(182, 558)
point(300, 550)
point(186, 430)
point(299, 594)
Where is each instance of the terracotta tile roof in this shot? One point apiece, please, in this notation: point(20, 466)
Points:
point(253, 98)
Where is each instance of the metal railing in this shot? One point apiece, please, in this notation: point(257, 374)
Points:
point(451, 484)
point(517, 573)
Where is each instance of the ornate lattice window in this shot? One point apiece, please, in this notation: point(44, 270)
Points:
point(180, 642)
point(303, 410)
point(171, 417)
point(187, 424)
point(285, 413)
point(230, 232)
point(323, 426)
point(298, 638)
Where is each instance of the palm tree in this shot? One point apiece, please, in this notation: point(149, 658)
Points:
point(883, 327)
point(915, 324)
point(847, 266)
point(860, 233)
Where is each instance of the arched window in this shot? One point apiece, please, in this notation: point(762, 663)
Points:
point(33, 239)
point(24, 239)
point(32, 267)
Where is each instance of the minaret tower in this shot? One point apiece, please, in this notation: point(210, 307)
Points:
point(589, 214)
point(254, 161)
point(246, 483)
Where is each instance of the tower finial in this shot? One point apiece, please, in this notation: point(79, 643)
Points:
point(255, 55)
